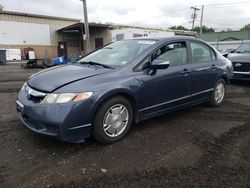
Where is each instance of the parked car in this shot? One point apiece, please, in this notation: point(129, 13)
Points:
point(226, 51)
point(122, 83)
point(241, 61)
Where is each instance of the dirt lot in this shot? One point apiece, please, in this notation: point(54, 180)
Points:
point(200, 146)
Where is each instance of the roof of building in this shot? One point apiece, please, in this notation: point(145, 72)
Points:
point(226, 35)
point(80, 25)
point(38, 16)
point(178, 32)
point(92, 24)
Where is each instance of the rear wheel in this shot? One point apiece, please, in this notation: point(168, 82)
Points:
point(218, 94)
point(112, 120)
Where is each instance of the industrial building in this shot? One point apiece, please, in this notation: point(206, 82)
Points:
point(226, 39)
point(72, 38)
point(49, 36)
point(120, 32)
point(22, 30)
point(127, 32)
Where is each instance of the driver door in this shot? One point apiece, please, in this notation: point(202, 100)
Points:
point(170, 87)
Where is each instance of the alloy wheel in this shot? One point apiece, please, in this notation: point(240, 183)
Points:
point(115, 120)
point(219, 93)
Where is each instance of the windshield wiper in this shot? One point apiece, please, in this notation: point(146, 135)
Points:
point(99, 64)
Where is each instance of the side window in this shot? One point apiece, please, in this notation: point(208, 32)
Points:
point(143, 65)
point(175, 53)
point(201, 52)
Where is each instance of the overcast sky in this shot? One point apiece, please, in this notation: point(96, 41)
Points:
point(156, 13)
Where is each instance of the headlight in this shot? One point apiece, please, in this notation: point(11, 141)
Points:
point(24, 86)
point(66, 97)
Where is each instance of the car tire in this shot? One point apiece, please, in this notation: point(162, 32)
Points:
point(218, 93)
point(113, 120)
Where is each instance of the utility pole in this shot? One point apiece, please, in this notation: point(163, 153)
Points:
point(194, 15)
point(202, 10)
point(86, 36)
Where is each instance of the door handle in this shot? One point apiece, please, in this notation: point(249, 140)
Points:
point(213, 67)
point(185, 71)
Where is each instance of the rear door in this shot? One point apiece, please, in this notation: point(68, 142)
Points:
point(203, 69)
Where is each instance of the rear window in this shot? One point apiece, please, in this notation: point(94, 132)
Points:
point(201, 52)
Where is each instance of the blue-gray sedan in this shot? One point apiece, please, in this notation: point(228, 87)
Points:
point(120, 84)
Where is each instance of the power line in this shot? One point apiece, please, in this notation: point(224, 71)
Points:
point(207, 6)
point(162, 15)
point(185, 9)
point(224, 7)
point(223, 4)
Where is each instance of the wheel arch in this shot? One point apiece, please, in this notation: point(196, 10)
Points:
point(225, 78)
point(119, 92)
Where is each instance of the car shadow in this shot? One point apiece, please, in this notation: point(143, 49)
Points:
point(54, 145)
point(244, 83)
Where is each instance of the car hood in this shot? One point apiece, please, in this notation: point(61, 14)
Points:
point(52, 79)
point(239, 57)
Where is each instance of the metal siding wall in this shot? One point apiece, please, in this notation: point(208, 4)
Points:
point(28, 33)
point(99, 33)
point(42, 51)
point(54, 24)
point(221, 45)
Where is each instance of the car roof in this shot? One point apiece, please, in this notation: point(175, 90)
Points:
point(165, 39)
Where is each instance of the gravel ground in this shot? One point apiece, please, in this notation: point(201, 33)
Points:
point(200, 146)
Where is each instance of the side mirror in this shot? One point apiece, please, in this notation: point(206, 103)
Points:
point(159, 64)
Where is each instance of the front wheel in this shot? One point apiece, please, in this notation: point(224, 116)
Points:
point(112, 120)
point(218, 94)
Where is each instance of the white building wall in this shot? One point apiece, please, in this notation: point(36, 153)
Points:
point(129, 33)
point(22, 33)
point(54, 24)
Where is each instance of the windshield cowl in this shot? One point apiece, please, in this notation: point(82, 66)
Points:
point(97, 64)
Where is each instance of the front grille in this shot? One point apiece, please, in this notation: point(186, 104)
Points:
point(241, 67)
point(34, 95)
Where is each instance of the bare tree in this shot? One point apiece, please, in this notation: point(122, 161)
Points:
point(1, 7)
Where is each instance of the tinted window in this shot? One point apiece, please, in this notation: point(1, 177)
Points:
point(175, 53)
point(200, 52)
point(144, 64)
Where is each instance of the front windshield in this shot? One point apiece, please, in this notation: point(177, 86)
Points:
point(118, 53)
point(244, 48)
